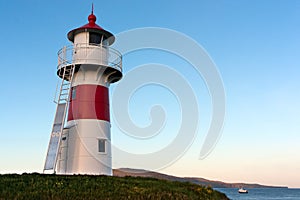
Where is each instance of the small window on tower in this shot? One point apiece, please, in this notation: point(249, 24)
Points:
point(73, 93)
point(101, 145)
point(95, 38)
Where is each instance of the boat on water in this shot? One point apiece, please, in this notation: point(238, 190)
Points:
point(242, 191)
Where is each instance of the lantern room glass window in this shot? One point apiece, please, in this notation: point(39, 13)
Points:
point(105, 42)
point(94, 38)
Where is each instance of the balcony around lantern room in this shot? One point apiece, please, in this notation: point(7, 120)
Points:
point(92, 54)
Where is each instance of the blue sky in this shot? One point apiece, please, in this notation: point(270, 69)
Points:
point(255, 45)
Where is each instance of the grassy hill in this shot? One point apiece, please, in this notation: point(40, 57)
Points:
point(41, 186)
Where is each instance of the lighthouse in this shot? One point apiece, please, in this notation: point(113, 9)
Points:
point(80, 141)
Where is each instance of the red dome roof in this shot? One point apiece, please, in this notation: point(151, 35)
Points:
point(92, 27)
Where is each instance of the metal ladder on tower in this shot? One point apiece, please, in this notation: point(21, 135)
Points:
point(59, 120)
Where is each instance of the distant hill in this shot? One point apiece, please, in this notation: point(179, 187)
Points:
point(201, 181)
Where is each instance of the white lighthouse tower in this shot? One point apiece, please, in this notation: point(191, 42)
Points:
point(80, 141)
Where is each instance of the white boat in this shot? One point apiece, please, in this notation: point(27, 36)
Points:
point(242, 190)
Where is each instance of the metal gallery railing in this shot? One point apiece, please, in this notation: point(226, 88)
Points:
point(85, 53)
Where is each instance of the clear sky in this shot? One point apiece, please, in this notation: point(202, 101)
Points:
point(254, 44)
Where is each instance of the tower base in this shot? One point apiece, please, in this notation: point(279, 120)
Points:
point(85, 148)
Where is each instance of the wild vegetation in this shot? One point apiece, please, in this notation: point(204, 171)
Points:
point(41, 186)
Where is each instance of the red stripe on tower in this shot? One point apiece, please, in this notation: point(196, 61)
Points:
point(89, 102)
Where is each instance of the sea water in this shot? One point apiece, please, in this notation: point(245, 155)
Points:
point(262, 194)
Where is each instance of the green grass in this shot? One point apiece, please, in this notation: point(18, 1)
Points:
point(41, 186)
